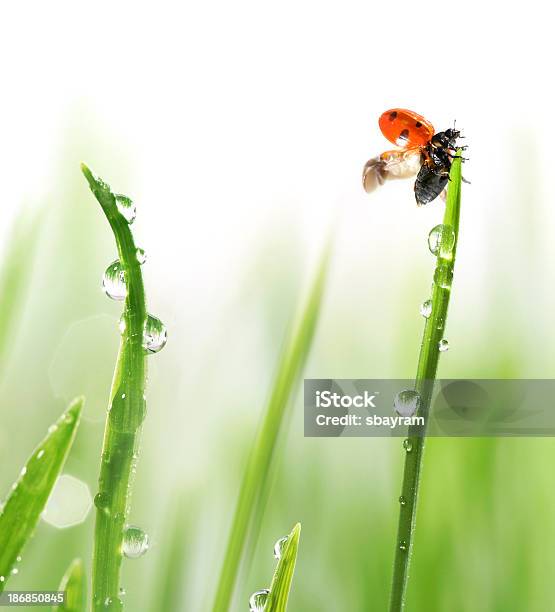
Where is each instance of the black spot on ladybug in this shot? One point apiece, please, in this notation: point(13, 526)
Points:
point(418, 124)
point(404, 135)
point(393, 116)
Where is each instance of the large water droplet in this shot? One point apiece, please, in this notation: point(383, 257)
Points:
point(279, 547)
point(443, 345)
point(407, 445)
point(443, 276)
point(406, 403)
point(113, 281)
point(441, 241)
point(155, 335)
point(426, 308)
point(258, 600)
point(135, 542)
point(126, 208)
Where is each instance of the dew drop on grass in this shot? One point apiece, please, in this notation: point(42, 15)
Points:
point(126, 208)
point(406, 403)
point(426, 308)
point(443, 276)
point(441, 241)
point(2, 579)
point(279, 546)
point(402, 501)
point(113, 281)
point(141, 256)
point(113, 604)
point(407, 445)
point(101, 501)
point(155, 335)
point(443, 345)
point(258, 600)
point(15, 571)
point(402, 545)
point(135, 542)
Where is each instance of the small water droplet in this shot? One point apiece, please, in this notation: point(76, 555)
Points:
point(18, 559)
point(258, 600)
point(407, 445)
point(443, 276)
point(123, 396)
point(113, 604)
point(155, 335)
point(279, 547)
point(52, 428)
point(426, 308)
point(135, 542)
point(141, 256)
point(2, 579)
point(15, 571)
point(126, 207)
point(101, 501)
point(402, 545)
point(441, 241)
point(402, 501)
point(113, 281)
point(23, 471)
point(122, 592)
point(406, 403)
point(443, 345)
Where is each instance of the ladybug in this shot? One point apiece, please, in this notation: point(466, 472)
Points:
point(422, 152)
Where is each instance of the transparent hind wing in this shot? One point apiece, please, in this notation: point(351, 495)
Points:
point(396, 164)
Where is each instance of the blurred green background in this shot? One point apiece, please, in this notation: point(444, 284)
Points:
point(240, 130)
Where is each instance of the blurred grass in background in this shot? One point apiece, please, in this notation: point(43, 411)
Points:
point(485, 519)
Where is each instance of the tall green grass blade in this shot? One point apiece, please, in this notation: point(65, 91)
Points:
point(14, 276)
point(259, 465)
point(30, 492)
point(125, 416)
point(425, 377)
point(73, 583)
point(283, 576)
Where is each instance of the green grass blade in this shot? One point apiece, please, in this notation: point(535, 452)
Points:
point(425, 377)
point(30, 492)
point(73, 583)
point(14, 276)
point(283, 576)
point(258, 467)
point(125, 416)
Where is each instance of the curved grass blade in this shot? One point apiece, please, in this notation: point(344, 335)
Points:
point(283, 576)
point(425, 377)
point(259, 465)
point(14, 275)
point(73, 583)
point(126, 413)
point(30, 492)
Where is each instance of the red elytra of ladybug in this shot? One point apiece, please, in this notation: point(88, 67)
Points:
point(406, 128)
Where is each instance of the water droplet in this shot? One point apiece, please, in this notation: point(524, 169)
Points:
point(155, 335)
point(2, 579)
point(113, 603)
point(52, 428)
point(279, 547)
point(426, 308)
point(101, 501)
point(402, 501)
point(126, 207)
point(443, 276)
point(135, 542)
point(258, 600)
point(15, 571)
point(141, 256)
point(18, 559)
point(122, 592)
point(402, 545)
point(443, 345)
point(406, 403)
point(23, 471)
point(113, 281)
point(441, 241)
point(407, 445)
